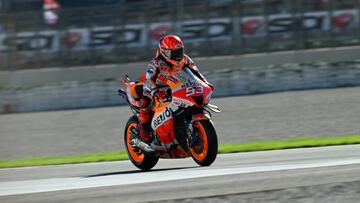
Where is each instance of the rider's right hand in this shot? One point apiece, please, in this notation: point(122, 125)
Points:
point(161, 95)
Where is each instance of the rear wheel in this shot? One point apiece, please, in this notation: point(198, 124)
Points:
point(137, 157)
point(205, 148)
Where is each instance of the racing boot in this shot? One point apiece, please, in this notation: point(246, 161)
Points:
point(144, 123)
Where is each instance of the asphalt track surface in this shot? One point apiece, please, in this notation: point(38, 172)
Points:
point(327, 174)
point(314, 113)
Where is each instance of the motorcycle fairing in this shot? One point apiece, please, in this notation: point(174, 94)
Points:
point(188, 91)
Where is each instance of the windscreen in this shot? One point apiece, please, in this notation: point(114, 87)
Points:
point(186, 76)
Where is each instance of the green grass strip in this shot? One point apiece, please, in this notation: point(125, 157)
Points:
point(299, 142)
point(56, 160)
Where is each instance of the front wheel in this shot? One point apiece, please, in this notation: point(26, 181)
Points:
point(205, 148)
point(137, 157)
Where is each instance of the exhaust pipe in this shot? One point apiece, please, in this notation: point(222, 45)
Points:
point(136, 142)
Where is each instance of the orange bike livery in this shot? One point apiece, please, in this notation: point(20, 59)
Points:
point(181, 126)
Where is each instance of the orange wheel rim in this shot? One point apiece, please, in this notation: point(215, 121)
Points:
point(201, 133)
point(136, 156)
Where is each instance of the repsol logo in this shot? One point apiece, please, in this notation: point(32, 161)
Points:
point(189, 84)
point(161, 118)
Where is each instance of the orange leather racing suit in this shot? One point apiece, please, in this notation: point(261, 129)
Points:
point(154, 84)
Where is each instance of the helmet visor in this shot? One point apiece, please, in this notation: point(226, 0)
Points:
point(176, 54)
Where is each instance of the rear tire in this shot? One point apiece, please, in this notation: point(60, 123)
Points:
point(141, 160)
point(204, 152)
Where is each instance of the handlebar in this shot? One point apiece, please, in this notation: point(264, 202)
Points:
point(122, 93)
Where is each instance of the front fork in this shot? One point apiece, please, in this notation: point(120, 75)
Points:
point(191, 134)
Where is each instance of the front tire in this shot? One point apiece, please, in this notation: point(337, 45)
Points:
point(205, 149)
point(138, 158)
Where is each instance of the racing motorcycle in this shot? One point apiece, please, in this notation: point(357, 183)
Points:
point(181, 126)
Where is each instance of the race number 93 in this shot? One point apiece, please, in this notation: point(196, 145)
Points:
point(194, 90)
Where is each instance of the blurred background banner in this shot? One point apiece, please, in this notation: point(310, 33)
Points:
point(37, 34)
point(68, 54)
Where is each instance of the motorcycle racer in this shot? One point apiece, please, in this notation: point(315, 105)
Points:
point(168, 63)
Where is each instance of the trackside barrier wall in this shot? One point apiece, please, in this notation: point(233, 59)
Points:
point(228, 82)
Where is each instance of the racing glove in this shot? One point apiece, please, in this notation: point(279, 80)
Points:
point(162, 95)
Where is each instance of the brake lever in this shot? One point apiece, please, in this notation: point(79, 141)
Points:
point(122, 93)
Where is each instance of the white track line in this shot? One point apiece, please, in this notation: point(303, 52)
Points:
point(59, 184)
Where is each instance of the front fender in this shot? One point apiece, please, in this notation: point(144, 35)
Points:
point(200, 116)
